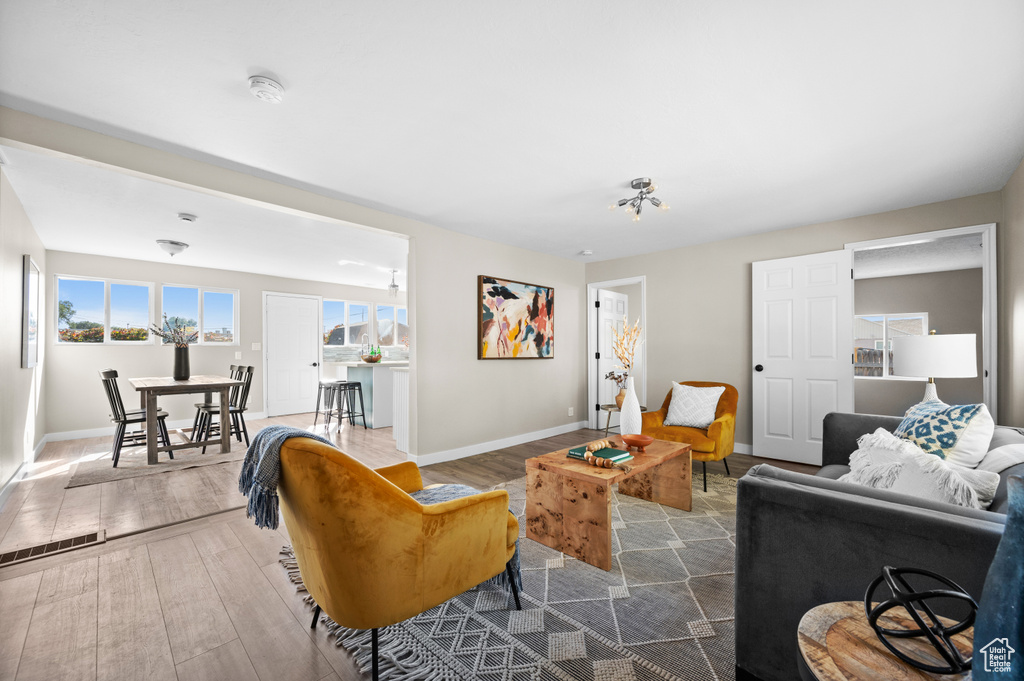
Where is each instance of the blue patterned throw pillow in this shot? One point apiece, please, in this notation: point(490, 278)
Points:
point(958, 433)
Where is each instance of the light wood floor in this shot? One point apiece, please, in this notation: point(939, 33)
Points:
point(198, 598)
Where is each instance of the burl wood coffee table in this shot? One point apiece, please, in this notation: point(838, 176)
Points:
point(569, 503)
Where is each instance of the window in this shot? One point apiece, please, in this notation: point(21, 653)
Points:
point(334, 322)
point(213, 311)
point(873, 336)
point(103, 311)
point(218, 317)
point(392, 324)
point(358, 322)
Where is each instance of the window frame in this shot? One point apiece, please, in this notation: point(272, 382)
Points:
point(344, 320)
point(885, 340)
point(236, 314)
point(371, 320)
point(107, 340)
point(376, 322)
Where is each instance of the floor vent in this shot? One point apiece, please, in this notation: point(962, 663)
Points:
point(59, 546)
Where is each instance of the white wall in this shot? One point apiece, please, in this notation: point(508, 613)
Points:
point(75, 399)
point(458, 401)
point(21, 390)
point(698, 298)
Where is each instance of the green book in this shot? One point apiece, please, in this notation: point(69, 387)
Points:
point(616, 455)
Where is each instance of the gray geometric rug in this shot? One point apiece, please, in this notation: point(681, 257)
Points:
point(665, 611)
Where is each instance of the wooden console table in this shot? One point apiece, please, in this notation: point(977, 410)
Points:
point(569, 504)
point(150, 388)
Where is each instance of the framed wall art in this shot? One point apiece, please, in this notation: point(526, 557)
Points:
point(30, 314)
point(516, 319)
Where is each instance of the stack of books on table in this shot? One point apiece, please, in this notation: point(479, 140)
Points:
point(616, 455)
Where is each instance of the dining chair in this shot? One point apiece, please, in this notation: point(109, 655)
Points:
point(235, 373)
point(238, 398)
point(123, 418)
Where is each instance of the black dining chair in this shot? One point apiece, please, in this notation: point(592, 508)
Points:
point(238, 397)
point(235, 373)
point(123, 418)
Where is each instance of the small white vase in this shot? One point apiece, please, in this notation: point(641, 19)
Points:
point(629, 417)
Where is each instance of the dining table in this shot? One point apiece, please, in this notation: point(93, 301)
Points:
point(150, 388)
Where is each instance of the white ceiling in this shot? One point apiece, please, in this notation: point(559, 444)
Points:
point(936, 255)
point(521, 121)
point(86, 209)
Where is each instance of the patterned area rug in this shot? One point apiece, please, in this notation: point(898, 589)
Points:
point(665, 611)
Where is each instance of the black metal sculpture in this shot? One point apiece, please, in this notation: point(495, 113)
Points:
point(916, 605)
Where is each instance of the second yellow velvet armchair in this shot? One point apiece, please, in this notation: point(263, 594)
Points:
point(370, 555)
point(711, 444)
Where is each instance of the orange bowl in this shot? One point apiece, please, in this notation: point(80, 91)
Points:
point(638, 441)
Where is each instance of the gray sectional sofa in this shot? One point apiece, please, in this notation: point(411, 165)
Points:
point(803, 540)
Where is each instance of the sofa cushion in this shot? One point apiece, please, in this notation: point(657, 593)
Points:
point(697, 438)
point(691, 406)
point(959, 433)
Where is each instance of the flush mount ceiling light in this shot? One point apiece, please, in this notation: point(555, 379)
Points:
point(393, 287)
point(266, 89)
point(173, 248)
point(646, 188)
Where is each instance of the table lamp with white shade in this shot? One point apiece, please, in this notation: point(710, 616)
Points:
point(951, 355)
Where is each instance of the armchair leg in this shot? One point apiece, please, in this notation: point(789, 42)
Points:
point(374, 639)
point(705, 465)
point(512, 583)
point(726, 462)
point(316, 616)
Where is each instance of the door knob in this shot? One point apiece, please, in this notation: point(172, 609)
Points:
point(314, 364)
point(759, 367)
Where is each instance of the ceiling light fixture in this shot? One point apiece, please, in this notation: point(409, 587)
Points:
point(645, 187)
point(173, 248)
point(586, 251)
point(393, 287)
point(266, 89)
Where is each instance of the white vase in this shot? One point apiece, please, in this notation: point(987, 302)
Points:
point(629, 418)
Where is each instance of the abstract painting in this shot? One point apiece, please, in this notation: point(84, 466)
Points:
point(517, 320)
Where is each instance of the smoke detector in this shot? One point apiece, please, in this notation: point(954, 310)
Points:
point(586, 251)
point(187, 217)
point(266, 89)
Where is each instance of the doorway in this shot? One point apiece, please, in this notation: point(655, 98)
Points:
point(948, 277)
point(609, 303)
point(292, 352)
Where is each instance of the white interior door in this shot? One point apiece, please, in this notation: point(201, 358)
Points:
point(614, 308)
point(802, 351)
point(292, 353)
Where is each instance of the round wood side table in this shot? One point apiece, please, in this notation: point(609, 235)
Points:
point(836, 644)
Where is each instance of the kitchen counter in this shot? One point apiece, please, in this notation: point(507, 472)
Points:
point(394, 363)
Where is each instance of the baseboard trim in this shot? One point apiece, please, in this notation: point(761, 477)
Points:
point(8, 488)
point(741, 448)
point(108, 431)
point(482, 447)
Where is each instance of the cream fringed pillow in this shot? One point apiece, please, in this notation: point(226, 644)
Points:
point(693, 407)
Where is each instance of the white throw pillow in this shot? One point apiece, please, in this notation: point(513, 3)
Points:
point(1001, 458)
point(691, 406)
point(884, 461)
point(958, 433)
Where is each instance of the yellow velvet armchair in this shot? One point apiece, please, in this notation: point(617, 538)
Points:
point(711, 444)
point(370, 555)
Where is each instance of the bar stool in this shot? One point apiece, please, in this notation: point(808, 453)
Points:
point(325, 394)
point(346, 392)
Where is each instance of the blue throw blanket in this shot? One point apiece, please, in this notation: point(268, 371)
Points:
point(261, 471)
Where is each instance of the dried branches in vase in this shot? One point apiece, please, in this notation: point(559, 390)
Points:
point(625, 343)
point(177, 334)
